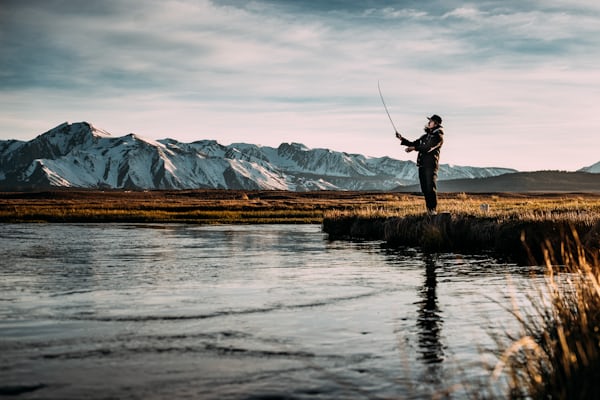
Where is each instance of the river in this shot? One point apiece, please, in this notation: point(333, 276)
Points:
point(243, 312)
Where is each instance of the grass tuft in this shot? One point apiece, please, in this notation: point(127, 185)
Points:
point(557, 354)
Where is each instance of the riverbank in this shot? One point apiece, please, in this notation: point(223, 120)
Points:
point(520, 228)
point(519, 239)
point(467, 223)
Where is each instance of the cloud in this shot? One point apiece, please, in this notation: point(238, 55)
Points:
point(273, 71)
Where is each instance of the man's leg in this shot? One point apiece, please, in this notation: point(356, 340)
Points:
point(428, 180)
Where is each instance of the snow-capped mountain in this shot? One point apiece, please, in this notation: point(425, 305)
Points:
point(594, 168)
point(80, 155)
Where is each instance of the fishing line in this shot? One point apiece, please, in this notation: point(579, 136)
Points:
point(386, 109)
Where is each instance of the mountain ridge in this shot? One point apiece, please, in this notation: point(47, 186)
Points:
point(79, 155)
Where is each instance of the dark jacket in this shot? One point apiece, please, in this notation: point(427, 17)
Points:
point(428, 146)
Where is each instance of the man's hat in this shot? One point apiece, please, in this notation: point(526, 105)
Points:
point(435, 118)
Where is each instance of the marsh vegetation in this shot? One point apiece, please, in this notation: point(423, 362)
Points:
point(231, 206)
point(513, 226)
point(194, 206)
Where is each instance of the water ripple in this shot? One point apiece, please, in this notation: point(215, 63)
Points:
point(235, 312)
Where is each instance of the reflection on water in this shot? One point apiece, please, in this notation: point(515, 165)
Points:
point(235, 312)
point(429, 319)
point(429, 322)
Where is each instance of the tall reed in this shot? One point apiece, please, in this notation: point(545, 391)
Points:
point(557, 355)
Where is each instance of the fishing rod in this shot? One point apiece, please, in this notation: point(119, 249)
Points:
point(387, 112)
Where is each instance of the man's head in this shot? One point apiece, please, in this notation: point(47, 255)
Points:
point(436, 119)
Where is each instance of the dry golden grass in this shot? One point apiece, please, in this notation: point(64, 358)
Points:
point(472, 223)
point(199, 206)
point(557, 354)
point(529, 207)
point(228, 206)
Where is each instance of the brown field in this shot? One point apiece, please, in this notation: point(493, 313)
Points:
point(187, 206)
point(230, 206)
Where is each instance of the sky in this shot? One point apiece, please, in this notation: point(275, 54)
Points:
point(516, 82)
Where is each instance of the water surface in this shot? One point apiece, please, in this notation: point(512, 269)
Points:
point(240, 312)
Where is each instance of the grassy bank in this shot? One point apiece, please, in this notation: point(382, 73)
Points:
point(393, 217)
point(512, 226)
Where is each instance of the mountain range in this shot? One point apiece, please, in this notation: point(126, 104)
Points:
point(79, 155)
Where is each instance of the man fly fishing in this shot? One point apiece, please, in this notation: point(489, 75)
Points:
point(428, 146)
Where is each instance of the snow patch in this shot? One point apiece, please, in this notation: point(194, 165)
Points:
point(594, 168)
